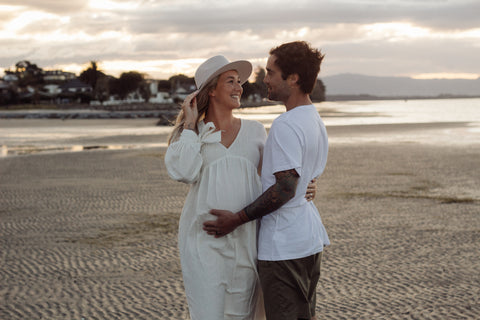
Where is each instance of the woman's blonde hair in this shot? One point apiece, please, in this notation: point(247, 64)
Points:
point(203, 100)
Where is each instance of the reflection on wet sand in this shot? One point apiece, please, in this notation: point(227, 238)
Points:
point(28, 150)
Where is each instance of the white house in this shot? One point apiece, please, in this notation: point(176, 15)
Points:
point(10, 78)
point(52, 89)
point(161, 97)
point(153, 86)
point(76, 86)
point(57, 76)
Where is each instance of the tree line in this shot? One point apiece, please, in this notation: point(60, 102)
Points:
point(28, 85)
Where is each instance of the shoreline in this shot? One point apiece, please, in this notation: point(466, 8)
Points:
point(165, 112)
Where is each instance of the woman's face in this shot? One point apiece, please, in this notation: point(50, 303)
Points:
point(228, 91)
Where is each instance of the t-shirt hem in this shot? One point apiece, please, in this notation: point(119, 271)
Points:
point(288, 257)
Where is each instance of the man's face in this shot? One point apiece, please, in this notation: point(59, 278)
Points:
point(278, 89)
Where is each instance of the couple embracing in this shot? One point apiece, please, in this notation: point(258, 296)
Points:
point(248, 227)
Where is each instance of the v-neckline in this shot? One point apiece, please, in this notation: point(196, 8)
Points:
point(235, 139)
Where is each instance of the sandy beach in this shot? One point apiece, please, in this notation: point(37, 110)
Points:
point(93, 234)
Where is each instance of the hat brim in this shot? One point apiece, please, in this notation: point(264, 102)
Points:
point(243, 67)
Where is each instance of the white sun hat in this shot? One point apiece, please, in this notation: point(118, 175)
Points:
point(217, 65)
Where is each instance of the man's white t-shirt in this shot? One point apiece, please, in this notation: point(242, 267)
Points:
point(297, 140)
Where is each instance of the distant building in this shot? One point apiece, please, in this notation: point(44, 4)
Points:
point(182, 92)
point(153, 87)
point(5, 92)
point(51, 90)
point(75, 91)
point(76, 86)
point(161, 97)
point(10, 78)
point(57, 76)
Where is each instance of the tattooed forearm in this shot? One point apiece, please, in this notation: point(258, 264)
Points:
point(275, 196)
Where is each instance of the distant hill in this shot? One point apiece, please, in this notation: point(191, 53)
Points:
point(356, 84)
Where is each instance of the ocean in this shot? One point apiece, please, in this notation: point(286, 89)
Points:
point(423, 121)
point(435, 121)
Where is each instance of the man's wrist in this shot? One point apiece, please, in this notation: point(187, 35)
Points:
point(242, 216)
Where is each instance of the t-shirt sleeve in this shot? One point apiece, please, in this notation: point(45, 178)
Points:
point(286, 148)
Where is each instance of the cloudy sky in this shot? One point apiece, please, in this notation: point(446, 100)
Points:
point(416, 38)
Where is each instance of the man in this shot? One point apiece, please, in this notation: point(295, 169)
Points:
point(291, 236)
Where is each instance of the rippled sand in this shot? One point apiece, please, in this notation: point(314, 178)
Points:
point(92, 235)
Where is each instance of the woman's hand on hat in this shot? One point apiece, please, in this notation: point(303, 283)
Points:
point(189, 107)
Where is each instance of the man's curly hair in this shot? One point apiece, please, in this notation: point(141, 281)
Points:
point(300, 58)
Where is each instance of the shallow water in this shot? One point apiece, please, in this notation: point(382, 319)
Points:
point(440, 121)
point(436, 121)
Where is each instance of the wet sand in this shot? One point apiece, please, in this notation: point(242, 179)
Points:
point(92, 234)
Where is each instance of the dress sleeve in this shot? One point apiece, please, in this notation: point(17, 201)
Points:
point(183, 158)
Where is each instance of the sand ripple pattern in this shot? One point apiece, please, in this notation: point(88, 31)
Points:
point(92, 235)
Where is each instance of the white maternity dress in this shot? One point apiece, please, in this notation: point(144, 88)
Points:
point(219, 274)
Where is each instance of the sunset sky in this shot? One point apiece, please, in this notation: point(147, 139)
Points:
point(415, 38)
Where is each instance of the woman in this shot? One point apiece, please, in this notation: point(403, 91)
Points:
point(220, 156)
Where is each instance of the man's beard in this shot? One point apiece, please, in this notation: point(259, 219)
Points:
point(276, 95)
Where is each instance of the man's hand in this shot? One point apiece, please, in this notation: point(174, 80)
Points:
point(226, 222)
